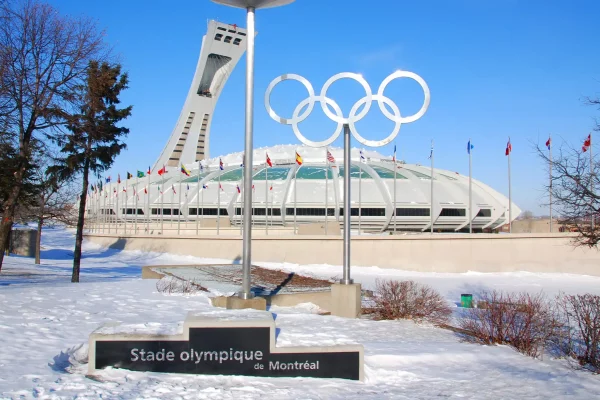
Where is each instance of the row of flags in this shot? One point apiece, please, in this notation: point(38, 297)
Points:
point(299, 160)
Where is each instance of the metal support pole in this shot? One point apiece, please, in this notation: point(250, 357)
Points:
point(296, 198)
point(198, 197)
point(219, 205)
point(125, 224)
point(248, 150)
point(179, 207)
point(359, 194)
point(395, 204)
point(346, 279)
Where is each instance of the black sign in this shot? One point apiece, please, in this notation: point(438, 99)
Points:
point(226, 351)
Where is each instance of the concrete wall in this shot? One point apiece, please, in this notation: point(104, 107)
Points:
point(440, 253)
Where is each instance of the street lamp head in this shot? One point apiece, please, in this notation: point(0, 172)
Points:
point(254, 3)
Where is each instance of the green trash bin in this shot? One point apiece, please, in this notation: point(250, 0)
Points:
point(466, 300)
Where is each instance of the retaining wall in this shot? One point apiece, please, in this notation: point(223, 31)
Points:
point(438, 253)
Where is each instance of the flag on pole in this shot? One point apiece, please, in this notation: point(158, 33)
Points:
point(173, 187)
point(298, 159)
point(431, 151)
point(118, 178)
point(271, 188)
point(549, 143)
point(238, 189)
point(330, 157)
point(362, 156)
point(149, 170)
point(469, 147)
point(508, 147)
point(221, 187)
point(108, 179)
point(253, 187)
point(184, 170)
point(160, 190)
point(162, 171)
point(587, 143)
point(140, 174)
point(269, 163)
point(204, 186)
point(125, 190)
point(220, 164)
point(394, 156)
point(145, 190)
point(129, 176)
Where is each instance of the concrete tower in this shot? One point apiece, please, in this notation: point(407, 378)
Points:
point(222, 47)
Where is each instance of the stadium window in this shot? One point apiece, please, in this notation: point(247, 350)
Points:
point(218, 36)
point(453, 212)
point(372, 212)
point(227, 39)
point(353, 212)
point(192, 211)
point(484, 212)
point(412, 212)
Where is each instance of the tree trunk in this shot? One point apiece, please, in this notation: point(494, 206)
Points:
point(10, 207)
point(38, 240)
point(80, 222)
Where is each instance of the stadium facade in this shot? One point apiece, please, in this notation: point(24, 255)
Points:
point(286, 193)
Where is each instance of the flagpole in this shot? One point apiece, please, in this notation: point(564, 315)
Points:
point(395, 206)
point(360, 190)
point(326, 186)
point(117, 211)
point(470, 190)
point(102, 208)
point(162, 202)
point(148, 211)
point(179, 206)
point(219, 203)
point(295, 196)
point(107, 218)
point(431, 211)
point(125, 225)
point(266, 196)
point(509, 193)
point(550, 178)
point(198, 198)
point(136, 205)
point(591, 181)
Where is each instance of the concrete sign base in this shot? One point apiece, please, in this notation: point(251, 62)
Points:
point(230, 345)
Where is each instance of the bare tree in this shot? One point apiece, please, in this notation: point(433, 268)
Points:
point(44, 57)
point(574, 189)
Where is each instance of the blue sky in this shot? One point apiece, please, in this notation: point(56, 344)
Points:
point(496, 68)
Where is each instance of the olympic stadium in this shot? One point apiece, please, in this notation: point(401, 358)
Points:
point(387, 194)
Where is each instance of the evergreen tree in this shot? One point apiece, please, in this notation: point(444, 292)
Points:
point(95, 138)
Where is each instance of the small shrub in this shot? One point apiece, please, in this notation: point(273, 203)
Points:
point(409, 300)
point(173, 285)
point(524, 321)
point(581, 315)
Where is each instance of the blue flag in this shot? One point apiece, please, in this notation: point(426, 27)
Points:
point(469, 147)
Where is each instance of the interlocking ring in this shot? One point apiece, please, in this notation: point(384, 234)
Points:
point(354, 117)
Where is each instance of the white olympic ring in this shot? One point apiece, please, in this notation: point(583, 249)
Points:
point(338, 117)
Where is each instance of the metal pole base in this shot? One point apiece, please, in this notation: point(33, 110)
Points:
point(346, 281)
point(245, 296)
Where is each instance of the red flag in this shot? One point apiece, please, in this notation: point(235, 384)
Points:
point(252, 187)
point(125, 190)
point(162, 170)
point(508, 147)
point(271, 188)
point(587, 143)
point(549, 143)
point(118, 178)
point(145, 190)
point(269, 161)
point(331, 159)
point(221, 187)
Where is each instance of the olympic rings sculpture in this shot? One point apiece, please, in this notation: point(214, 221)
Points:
point(354, 117)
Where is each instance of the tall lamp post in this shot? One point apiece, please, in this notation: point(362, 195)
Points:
point(250, 6)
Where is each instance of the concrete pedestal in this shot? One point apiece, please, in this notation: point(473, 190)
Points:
point(235, 303)
point(345, 300)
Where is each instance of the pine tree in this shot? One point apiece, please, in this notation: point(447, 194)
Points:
point(95, 138)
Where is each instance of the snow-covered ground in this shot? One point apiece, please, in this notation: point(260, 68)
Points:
point(45, 321)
